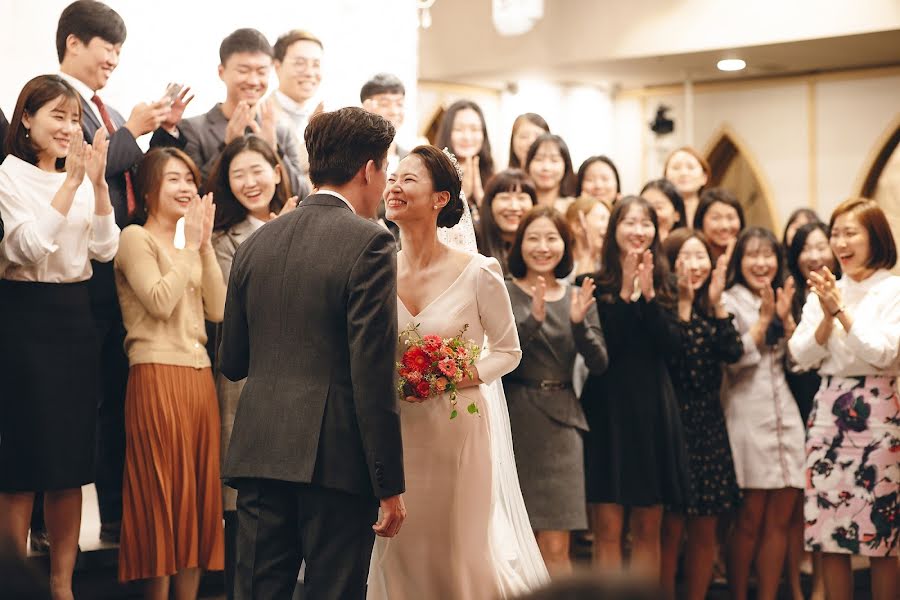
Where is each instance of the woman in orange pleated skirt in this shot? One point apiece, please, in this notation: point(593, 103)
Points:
point(172, 497)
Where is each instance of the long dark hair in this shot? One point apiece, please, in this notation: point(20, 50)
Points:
point(229, 210)
point(490, 241)
point(811, 217)
point(36, 93)
point(534, 119)
point(735, 275)
point(485, 159)
point(668, 189)
point(567, 183)
point(609, 279)
point(793, 264)
point(672, 246)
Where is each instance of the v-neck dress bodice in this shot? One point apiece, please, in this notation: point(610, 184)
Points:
point(443, 549)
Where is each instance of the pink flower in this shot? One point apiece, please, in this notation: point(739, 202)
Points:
point(413, 376)
point(432, 342)
point(448, 367)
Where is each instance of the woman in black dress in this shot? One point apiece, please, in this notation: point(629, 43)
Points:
point(635, 458)
point(708, 340)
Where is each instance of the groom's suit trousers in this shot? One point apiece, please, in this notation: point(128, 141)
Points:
point(281, 524)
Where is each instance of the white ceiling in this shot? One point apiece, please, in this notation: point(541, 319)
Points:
point(463, 47)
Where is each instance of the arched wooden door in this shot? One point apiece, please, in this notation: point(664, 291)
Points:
point(734, 169)
point(881, 181)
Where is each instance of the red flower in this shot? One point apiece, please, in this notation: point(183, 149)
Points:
point(416, 359)
point(423, 389)
point(432, 342)
point(447, 367)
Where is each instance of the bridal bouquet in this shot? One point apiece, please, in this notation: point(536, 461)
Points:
point(432, 365)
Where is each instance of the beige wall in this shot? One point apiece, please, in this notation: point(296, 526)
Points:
point(812, 139)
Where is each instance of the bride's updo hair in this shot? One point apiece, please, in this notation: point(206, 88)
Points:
point(444, 179)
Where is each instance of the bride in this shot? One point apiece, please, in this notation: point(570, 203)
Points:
point(467, 534)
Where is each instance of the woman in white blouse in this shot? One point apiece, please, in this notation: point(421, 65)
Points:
point(763, 421)
point(850, 332)
point(56, 220)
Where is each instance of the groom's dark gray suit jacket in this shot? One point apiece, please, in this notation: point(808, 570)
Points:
point(311, 322)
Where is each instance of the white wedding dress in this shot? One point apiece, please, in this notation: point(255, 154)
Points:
point(467, 534)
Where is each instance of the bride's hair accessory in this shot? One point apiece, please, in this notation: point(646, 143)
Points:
point(454, 162)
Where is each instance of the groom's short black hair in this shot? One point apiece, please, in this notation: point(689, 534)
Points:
point(340, 143)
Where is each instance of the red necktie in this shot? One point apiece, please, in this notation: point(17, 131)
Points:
point(104, 114)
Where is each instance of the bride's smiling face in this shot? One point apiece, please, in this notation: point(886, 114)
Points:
point(410, 194)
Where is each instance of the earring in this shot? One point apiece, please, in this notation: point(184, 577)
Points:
point(434, 207)
point(27, 133)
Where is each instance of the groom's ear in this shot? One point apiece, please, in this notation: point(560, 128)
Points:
point(369, 171)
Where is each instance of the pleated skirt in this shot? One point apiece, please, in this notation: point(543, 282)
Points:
point(172, 495)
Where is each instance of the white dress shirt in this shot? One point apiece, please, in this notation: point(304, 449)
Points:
point(41, 244)
point(336, 195)
point(871, 347)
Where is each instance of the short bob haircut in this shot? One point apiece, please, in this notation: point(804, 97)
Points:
point(735, 274)
point(668, 189)
point(534, 119)
point(36, 93)
point(490, 239)
point(444, 178)
point(149, 179)
point(582, 172)
point(246, 40)
point(517, 266)
point(87, 19)
point(567, 183)
point(882, 249)
point(229, 210)
point(340, 143)
point(712, 196)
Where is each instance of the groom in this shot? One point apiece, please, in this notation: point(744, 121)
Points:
point(311, 322)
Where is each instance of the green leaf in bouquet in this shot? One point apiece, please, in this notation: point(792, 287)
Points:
point(453, 413)
point(473, 409)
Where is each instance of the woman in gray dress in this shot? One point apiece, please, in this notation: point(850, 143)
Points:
point(555, 322)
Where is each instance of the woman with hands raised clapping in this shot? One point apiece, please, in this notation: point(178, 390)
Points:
point(850, 332)
point(763, 420)
point(167, 287)
point(58, 217)
point(708, 341)
point(635, 457)
point(555, 322)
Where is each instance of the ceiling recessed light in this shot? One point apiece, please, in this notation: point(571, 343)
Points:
point(731, 64)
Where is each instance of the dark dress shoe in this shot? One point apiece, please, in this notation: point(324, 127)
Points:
point(40, 541)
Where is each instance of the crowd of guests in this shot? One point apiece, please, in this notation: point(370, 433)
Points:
point(690, 385)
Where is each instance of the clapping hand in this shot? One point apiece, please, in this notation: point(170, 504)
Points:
point(824, 285)
point(645, 276)
point(239, 122)
point(588, 245)
point(290, 205)
point(685, 288)
point(145, 118)
point(629, 273)
point(539, 300)
point(75, 159)
point(582, 300)
point(198, 222)
point(471, 182)
point(717, 280)
point(767, 306)
point(95, 158)
point(266, 128)
point(783, 297)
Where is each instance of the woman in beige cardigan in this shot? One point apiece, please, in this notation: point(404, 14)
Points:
point(172, 513)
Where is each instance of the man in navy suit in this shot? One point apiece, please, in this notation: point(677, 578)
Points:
point(89, 39)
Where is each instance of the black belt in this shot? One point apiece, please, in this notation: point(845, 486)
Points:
point(540, 384)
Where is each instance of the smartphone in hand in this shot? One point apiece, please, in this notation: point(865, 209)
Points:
point(172, 91)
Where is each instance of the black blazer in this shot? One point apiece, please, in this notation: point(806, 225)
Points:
point(311, 322)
